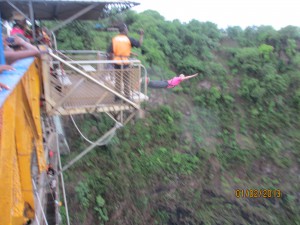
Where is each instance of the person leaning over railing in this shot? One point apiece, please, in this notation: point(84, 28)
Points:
point(22, 49)
point(16, 48)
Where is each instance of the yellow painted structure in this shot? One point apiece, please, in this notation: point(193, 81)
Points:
point(20, 136)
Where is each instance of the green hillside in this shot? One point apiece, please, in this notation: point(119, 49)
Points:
point(234, 127)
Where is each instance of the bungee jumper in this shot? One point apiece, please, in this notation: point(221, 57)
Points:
point(175, 81)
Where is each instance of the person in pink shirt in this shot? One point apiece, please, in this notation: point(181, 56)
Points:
point(17, 30)
point(175, 81)
point(19, 24)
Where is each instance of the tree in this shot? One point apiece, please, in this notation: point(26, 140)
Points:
point(296, 99)
point(153, 54)
point(190, 64)
point(250, 35)
point(235, 33)
point(291, 48)
point(275, 84)
point(289, 32)
point(76, 36)
point(251, 90)
point(248, 60)
point(266, 51)
point(268, 35)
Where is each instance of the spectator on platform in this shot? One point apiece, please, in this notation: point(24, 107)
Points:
point(20, 24)
point(120, 50)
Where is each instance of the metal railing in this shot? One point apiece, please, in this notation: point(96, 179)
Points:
point(77, 86)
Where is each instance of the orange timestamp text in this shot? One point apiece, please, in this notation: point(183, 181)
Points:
point(257, 193)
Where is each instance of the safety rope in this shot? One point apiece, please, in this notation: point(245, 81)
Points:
point(89, 141)
point(39, 201)
point(101, 141)
point(53, 198)
point(37, 220)
point(62, 181)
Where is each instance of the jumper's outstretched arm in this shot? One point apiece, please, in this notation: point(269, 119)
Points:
point(190, 76)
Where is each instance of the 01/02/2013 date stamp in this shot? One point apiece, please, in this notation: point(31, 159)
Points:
point(257, 193)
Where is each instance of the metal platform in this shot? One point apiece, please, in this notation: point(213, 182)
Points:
point(76, 87)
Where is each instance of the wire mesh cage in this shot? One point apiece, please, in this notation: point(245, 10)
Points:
point(76, 86)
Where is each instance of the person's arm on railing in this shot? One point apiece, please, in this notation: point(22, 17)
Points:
point(26, 50)
point(3, 86)
point(3, 68)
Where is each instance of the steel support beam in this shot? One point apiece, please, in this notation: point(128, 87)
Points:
point(78, 14)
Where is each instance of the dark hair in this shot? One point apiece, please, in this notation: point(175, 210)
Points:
point(122, 27)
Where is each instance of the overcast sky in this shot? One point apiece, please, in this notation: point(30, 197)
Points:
point(224, 13)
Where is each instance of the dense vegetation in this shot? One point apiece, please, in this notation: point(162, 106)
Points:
point(236, 126)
